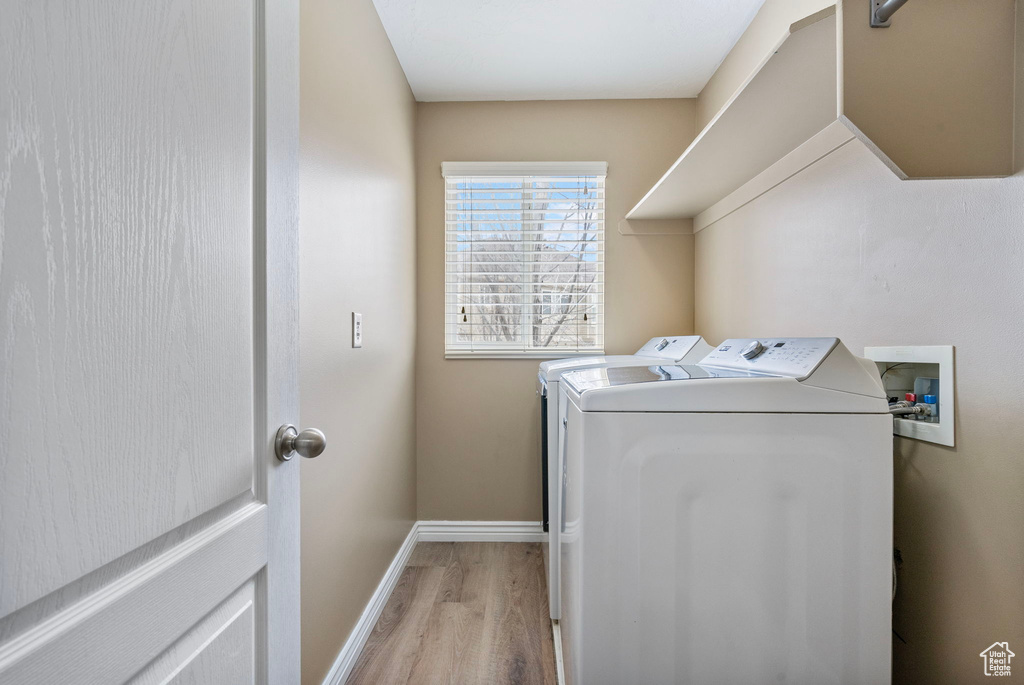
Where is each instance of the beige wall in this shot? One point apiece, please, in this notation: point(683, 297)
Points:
point(357, 254)
point(765, 31)
point(477, 420)
point(846, 249)
point(934, 91)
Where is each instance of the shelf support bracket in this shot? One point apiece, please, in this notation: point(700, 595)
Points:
point(882, 11)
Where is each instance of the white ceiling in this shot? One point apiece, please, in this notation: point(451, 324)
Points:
point(562, 49)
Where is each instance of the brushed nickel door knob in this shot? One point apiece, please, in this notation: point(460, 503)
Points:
point(309, 443)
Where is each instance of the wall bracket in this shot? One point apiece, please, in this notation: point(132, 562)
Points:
point(882, 11)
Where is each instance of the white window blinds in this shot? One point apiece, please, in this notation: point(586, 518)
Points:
point(524, 258)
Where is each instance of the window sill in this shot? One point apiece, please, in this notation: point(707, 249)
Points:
point(553, 354)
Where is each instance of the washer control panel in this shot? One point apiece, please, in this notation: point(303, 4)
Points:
point(796, 357)
point(668, 347)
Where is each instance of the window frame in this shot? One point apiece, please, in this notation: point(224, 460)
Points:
point(481, 170)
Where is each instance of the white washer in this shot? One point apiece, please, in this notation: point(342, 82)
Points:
point(672, 349)
point(729, 522)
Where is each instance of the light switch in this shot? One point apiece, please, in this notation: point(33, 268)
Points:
point(357, 329)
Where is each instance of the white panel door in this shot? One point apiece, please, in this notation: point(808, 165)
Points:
point(148, 279)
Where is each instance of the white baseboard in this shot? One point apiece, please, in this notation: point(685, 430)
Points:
point(423, 531)
point(354, 645)
point(481, 531)
point(556, 632)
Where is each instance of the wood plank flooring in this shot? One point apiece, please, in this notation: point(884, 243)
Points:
point(464, 612)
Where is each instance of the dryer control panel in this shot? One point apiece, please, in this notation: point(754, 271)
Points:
point(671, 347)
point(795, 357)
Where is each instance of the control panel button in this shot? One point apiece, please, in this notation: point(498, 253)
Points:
point(752, 350)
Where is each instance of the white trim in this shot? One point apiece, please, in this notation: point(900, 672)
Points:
point(524, 168)
point(275, 251)
point(556, 634)
point(481, 531)
point(423, 531)
point(353, 646)
point(655, 226)
point(553, 353)
point(818, 147)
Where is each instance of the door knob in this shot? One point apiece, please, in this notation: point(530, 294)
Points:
point(309, 443)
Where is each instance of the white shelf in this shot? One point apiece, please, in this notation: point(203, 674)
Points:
point(931, 97)
point(789, 99)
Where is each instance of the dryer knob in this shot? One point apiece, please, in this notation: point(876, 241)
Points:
point(752, 350)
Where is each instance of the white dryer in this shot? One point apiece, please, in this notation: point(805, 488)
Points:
point(671, 349)
point(729, 522)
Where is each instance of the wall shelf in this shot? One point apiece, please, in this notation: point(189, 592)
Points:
point(832, 80)
point(791, 97)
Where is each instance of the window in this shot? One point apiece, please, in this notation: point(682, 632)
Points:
point(524, 258)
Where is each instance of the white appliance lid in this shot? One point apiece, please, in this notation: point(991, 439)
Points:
point(592, 379)
point(656, 350)
point(801, 375)
point(551, 370)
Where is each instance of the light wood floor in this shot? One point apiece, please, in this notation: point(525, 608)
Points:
point(464, 612)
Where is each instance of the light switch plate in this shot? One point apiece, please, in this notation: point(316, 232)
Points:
point(357, 329)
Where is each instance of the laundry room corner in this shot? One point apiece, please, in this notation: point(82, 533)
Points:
point(477, 431)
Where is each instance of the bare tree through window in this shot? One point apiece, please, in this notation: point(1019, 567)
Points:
point(525, 263)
